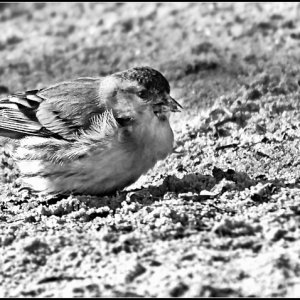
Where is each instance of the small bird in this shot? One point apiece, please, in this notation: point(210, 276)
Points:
point(90, 135)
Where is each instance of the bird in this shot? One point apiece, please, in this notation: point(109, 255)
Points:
point(90, 135)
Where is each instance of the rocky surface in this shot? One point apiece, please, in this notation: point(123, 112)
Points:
point(220, 216)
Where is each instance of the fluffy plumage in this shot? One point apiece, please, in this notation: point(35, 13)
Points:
point(90, 135)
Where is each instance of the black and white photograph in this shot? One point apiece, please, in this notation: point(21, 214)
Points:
point(149, 149)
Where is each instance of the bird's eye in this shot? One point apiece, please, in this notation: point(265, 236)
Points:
point(143, 94)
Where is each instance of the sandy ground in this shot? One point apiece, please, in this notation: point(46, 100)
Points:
point(221, 215)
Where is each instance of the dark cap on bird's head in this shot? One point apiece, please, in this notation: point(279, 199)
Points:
point(152, 80)
point(148, 77)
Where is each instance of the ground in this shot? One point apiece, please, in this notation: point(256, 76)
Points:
point(220, 216)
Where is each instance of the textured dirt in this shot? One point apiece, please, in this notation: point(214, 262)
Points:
point(221, 215)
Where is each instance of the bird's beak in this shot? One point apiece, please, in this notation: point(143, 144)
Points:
point(173, 104)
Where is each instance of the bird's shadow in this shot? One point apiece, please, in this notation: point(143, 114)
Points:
point(191, 187)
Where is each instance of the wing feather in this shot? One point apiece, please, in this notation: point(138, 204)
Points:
point(59, 110)
point(12, 118)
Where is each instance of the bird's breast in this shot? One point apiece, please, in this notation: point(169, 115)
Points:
point(154, 137)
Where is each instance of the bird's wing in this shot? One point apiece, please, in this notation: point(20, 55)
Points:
point(59, 110)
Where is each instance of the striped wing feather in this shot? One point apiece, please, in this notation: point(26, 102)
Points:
point(58, 111)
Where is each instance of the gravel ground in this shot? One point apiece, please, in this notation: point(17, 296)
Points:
point(221, 215)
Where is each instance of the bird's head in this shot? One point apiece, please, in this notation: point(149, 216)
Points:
point(141, 87)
